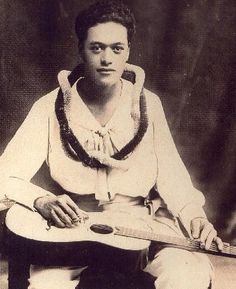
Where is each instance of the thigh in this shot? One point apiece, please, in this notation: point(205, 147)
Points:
point(177, 268)
point(51, 277)
point(180, 269)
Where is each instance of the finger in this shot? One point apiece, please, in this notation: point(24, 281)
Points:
point(56, 220)
point(79, 213)
point(69, 211)
point(211, 236)
point(219, 243)
point(82, 217)
point(205, 232)
point(72, 205)
point(63, 217)
point(195, 228)
point(68, 206)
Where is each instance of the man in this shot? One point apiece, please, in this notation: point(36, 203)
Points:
point(105, 139)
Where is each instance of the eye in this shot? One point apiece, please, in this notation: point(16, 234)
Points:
point(117, 49)
point(96, 49)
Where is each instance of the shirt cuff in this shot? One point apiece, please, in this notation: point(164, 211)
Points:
point(23, 192)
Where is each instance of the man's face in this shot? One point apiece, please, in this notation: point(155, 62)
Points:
point(105, 53)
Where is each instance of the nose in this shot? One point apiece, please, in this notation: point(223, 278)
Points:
point(106, 57)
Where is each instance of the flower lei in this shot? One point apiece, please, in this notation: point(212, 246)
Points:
point(72, 146)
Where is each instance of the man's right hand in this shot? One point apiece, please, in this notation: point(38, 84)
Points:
point(60, 210)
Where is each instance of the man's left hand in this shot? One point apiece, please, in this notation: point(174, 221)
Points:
point(203, 230)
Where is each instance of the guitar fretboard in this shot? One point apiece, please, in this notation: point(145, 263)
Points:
point(189, 244)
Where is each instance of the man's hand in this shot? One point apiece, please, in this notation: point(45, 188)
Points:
point(61, 210)
point(203, 230)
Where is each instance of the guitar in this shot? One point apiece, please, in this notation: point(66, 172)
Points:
point(28, 231)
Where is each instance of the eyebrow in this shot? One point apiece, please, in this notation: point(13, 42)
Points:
point(101, 43)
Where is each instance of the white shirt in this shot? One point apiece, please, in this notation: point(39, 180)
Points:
point(155, 161)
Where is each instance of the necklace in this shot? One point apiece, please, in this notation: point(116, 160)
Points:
point(71, 144)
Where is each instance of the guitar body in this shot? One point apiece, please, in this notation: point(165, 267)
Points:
point(107, 239)
point(29, 237)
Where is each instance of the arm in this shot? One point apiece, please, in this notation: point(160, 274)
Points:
point(174, 183)
point(23, 157)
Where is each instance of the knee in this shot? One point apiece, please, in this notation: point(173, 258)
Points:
point(51, 284)
point(181, 269)
point(50, 278)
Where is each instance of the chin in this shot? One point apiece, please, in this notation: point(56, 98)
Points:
point(106, 82)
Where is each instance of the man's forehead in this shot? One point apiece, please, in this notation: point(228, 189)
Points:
point(108, 33)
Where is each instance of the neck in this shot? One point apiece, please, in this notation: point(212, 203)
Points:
point(93, 94)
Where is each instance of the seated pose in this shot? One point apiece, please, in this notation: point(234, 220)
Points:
point(105, 139)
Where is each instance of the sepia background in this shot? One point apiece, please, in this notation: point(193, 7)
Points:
point(186, 47)
point(188, 50)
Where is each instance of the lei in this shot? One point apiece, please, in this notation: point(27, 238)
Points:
point(71, 144)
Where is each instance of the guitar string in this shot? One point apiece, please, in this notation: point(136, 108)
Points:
point(184, 242)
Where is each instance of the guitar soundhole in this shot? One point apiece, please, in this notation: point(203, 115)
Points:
point(101, 229)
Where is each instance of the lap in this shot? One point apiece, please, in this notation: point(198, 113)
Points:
point(170, 266)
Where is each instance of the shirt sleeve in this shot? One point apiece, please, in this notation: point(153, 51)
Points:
point(173, 180)
point(23, 157)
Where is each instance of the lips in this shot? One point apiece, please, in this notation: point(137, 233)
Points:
point(105, 70)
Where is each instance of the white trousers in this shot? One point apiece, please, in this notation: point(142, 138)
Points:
point(174, 268)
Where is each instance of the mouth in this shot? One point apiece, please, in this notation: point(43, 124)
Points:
point(105, 71)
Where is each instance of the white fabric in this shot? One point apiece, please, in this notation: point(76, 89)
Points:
point(54, 277)
point(154, 161)
point(180, 269)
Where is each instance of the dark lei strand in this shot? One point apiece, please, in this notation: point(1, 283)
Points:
point(72, 146)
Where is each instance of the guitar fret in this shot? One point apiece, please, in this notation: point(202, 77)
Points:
point(174, 241)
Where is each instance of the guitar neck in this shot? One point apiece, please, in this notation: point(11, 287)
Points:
point(188, 244)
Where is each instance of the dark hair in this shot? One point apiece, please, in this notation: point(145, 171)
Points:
point(101, 12)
